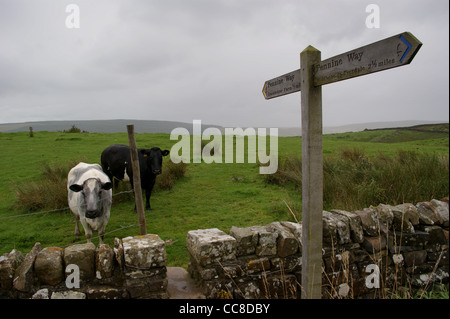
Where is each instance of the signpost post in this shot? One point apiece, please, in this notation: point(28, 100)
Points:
point(389, 53)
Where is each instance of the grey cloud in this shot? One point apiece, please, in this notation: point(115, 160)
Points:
point(208, 59)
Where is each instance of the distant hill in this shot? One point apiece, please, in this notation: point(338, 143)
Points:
point(101, 126)
point(149, 126)
point(297, 131)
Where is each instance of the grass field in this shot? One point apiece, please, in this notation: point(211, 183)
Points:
point(210, 195)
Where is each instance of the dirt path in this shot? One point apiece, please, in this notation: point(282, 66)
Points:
point(181, 285)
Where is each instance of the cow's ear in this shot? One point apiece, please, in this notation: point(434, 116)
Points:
point(165, 152)
point(107, 186)
point(76, 188)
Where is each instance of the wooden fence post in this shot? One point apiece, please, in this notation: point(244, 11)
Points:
point(136, 180)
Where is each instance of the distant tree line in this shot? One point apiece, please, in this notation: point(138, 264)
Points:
point(74, 129)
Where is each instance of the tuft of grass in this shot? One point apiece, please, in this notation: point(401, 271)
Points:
point(438, 292)
point(289, 171)
point(50, 192)
point(171, 172)
point(353, 180)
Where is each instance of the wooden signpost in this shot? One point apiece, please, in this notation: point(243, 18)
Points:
point(389, 53)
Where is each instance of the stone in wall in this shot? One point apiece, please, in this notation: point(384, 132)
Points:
point(118, 253)
point(106, 292)
point(9, 262)
point(428, 214)
point(267, 241)
point(406, 217)
point(209, 246)
point(104, 262)
point(329, 234)
point(246, 240)
point(287, 244)
point(253, 264)
point(49, 267)
point(436, 235)
point(45, 293)
point(428, 279)
point(415, 258)
point(341, 224)
point(25, 278)
point(282, 286)
point(369, 221)
point(68, 294)
point(297, 230)
point(82, 255)
point(291, 263)
point(145, 269)
point(355, 224)
point(143, 285)
point(442, 210)
point(374, 244)
point(41, 294)
point(144, 252)
point(384, 217)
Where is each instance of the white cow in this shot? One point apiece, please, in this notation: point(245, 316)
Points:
point(90, 198)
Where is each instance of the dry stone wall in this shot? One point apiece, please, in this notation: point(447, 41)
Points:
point(134, 268)
point(372, 253)
point(375, 252)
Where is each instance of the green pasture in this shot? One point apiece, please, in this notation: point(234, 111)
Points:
point(209, 196)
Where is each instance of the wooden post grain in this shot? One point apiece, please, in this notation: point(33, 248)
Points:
point(312, 176)
point(136, 180)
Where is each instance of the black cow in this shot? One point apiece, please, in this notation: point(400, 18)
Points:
point(116, 163)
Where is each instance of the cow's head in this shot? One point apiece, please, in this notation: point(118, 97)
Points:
point(92, 195)
point(153, 157)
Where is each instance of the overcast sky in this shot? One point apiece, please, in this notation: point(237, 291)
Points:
point(180, 60)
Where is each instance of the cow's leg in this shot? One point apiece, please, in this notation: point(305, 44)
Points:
point(116, 183)
point(77, 227)
point(148, 193)
point(87, 230)
point(88, 235)
point(101, 234)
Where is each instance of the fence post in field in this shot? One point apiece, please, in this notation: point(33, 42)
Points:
point(136, 180)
